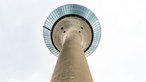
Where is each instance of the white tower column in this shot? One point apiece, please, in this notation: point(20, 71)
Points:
point(72, 32)
point(72, 65)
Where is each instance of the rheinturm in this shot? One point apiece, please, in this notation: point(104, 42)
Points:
point(72, 32)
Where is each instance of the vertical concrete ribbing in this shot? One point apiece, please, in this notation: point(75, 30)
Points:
point(72, 65)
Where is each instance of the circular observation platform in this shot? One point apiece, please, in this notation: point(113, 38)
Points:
point(67, 18)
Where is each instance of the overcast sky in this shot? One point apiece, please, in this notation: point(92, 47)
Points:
point(120, 56)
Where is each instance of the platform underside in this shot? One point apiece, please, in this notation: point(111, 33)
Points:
point(71, 23)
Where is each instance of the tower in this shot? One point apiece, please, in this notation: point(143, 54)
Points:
point(72, 32)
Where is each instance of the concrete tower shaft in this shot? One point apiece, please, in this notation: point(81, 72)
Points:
point(72, 32)
point(72, 65)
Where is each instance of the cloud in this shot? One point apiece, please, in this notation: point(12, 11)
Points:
point(120, 56)
point(36, 77)
point(14, 80)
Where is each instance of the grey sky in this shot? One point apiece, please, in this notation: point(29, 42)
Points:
point(120, 56)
